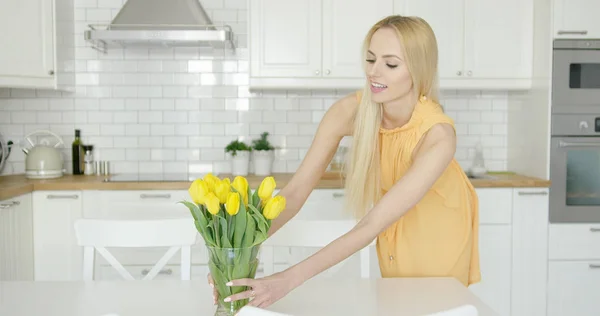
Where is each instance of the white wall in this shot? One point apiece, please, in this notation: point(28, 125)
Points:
point(175, 110)
point(529, 114)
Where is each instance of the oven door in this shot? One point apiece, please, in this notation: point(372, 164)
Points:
point(576, 79)
point(575, 180)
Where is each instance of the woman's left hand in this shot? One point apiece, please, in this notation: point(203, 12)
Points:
point(264, 291)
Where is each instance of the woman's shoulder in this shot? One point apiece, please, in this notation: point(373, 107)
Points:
point(342, 112)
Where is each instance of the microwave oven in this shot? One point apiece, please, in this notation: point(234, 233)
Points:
point(576, 76)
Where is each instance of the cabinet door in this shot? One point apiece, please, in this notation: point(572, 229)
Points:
point(27, 37)
point(446, 19)
point(576, 18)
point(495, 49)
point(16, 239)
point(285, 38)
point(344, 32)
point(573, 288)
point(495, 259)
point(530, 252)
point(57, 255)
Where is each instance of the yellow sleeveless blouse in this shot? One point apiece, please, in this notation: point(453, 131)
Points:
point(439, 236)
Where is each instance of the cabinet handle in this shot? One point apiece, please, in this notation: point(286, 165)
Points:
point(595, 230)
point(561, 32)
point(594, 266)
point(317, 72)
point(9, 205)
point(163, 271)
point(57, 196)
point(533, 193)
point(327, 71)
point(51, 72)
point(338, 195)
point(459, 73)
point(469, 73)
point(155, 196)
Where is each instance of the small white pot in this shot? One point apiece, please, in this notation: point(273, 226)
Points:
point(240, 163)
point(263, 162)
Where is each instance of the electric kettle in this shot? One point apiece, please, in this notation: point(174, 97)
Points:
point(43, 161)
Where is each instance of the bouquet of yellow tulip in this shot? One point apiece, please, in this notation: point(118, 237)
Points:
point(234, 221)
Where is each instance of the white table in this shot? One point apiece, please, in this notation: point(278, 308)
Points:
point(317, 297)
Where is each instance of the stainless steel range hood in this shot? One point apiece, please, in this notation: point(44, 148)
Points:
point(160, 23)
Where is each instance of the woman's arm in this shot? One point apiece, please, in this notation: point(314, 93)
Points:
point(431, 158)
point(336, 124)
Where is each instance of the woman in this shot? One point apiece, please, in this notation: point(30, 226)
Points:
point(421, 206)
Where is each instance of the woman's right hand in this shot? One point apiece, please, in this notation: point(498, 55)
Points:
point(211, 282)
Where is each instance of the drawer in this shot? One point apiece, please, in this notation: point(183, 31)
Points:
point(324, 204)
point(495, 205)
point(573, 288)
point(574, 241)
point(135, 204)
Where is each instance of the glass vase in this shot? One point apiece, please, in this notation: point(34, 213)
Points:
point(226, 264)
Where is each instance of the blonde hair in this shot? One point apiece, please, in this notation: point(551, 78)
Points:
point(362, 183)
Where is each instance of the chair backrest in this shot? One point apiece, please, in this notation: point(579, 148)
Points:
point(97, 234)
point(255, 311)
point(310, 234)
point(464, 310)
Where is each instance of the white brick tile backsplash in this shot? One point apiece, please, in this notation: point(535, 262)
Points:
point(174, 110)
point(162, 129)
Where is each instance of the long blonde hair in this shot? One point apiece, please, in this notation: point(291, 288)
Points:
point(362, 179)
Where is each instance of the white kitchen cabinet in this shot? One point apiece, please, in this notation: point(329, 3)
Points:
point(576, 18)
point(529, 251)
point(574, 269)
point(495, 248)
point(16, 239)
point(57, 255)
point(477, 48)
point(37, 37)
point(313, 44)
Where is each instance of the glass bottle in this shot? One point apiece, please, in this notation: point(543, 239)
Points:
point(77, 153)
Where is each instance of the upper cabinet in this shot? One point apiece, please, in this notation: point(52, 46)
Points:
point(477, 48)
point(37, 37)
point(317, 44)
point(311, 43)
point(576, 19)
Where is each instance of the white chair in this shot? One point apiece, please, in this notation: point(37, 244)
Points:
point(97, 234)
point(464, 310)
point(310, 234)
point(255, 311)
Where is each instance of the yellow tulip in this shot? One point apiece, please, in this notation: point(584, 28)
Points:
point(222, 189)
point(212, 203)
point(211, 181)
point(241, 185)
point(233, 203)
point(198, 190)
point(274, 207)
point(266, 188)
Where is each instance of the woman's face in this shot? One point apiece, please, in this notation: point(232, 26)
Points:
point(387, 71)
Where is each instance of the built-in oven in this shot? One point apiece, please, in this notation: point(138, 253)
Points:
point(576, 76)
point(575, 168)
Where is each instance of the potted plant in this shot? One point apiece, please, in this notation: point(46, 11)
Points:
point(263, 155)
point(240, 157)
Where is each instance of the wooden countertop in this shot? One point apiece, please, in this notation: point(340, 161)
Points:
point(15, 185)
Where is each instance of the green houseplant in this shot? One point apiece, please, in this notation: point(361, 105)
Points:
point(240, 157)
point(262, 155)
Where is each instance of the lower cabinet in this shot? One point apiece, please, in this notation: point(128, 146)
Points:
point(512, 243)
point(574, 269)
point(16, 239)
point(57, 255)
